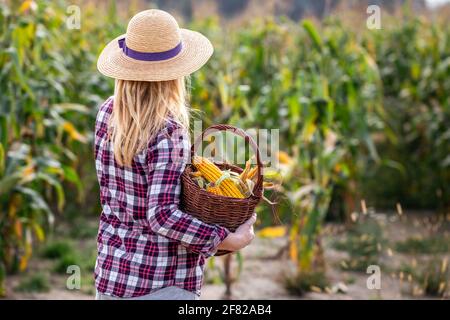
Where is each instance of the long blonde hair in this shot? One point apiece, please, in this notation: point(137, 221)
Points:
point(141, 110)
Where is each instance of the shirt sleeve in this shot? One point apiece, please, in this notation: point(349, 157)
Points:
point(167, 161)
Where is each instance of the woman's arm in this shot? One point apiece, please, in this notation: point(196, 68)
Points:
point(167, 161)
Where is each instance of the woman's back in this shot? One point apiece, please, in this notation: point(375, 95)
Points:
point(141, 227)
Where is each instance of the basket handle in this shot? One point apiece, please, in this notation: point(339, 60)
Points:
point(241, 133)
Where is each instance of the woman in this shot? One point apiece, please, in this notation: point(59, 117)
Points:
point(147, 247)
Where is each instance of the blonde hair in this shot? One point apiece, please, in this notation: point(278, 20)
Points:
point(141, 109)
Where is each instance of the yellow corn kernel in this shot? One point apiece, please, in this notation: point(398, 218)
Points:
point(214, 190)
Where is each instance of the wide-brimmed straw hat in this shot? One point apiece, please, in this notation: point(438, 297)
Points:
point(154, 49)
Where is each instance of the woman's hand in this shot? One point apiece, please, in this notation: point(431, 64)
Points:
point(241, 237)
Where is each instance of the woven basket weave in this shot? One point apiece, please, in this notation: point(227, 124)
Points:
point(215, 209)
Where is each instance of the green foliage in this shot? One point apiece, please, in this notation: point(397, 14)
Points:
point(306, 282)
point(435, 278)
point(434, 244)
point(363, 242)
point(64, 262)
point(432, 277)
point(216, 272)
point(64, 254)
point(57, 250)
point(37, 282)
point(415, 67)
point(43, 134)
point(325, 101)
point(84, 230)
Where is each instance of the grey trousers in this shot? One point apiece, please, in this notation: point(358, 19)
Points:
point(167, 293)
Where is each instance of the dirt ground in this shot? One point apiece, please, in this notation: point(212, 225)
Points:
point(261, 277)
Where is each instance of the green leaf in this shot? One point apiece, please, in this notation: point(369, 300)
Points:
point(394, 165)
point(37, 202)
point(2, 159)
point(57, 186)
point(72, 176)
point(2, 279)
point(240, 261)
point(64, 107)
point(9, 182)
point(39, 232)
point(18, 71)
point(371, 146)
point(313, 34)
point(4, 131)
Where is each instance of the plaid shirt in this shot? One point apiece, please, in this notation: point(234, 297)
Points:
point(145, 242)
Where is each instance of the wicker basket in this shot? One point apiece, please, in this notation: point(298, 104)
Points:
point(215, 209)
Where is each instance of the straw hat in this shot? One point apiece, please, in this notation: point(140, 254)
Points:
point(154, 49)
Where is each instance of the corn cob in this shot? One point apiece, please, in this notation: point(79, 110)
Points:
point(214, 189)
point(252, 172)
point(212, 173)
point(242, 186)
point(243, 175)
point(196, 174)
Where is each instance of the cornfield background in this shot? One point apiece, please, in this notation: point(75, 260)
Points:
point(363, 117)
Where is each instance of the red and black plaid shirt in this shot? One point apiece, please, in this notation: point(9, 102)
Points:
point(145, 242)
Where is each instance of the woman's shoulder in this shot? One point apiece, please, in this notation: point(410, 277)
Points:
point(107, 105)
point(104, 112)
point(173, 126)
point(173, 133)
point(171, 140)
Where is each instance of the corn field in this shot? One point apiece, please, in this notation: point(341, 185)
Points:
point(363, 115)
